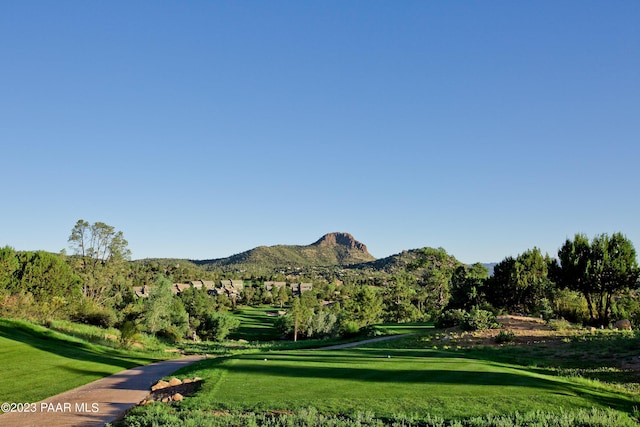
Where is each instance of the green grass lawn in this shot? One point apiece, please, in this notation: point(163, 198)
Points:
point(255, 324)
point(389, 382)
point(404, 328)
point(38, 362)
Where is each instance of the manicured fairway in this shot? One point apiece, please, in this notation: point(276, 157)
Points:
point(256, 324)
point(388, 382)
point(38, 363)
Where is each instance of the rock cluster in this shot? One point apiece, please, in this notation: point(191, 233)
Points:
point(173, 390)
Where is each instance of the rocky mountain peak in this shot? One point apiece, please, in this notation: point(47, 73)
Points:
point(341, 239)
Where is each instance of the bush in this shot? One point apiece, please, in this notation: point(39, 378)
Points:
point(349, 328)
point(505, 336)
point(570, 305)
point(19, 306)
point(216, 326)
point(559, 324)
point(545, 310)
point(128, 333)
point(453, 317)
point(322, 324)
point(628, 307)
point(479, 320)
point(171, 332)
point(97, 317)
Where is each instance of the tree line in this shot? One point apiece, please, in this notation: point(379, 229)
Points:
point(590, 281)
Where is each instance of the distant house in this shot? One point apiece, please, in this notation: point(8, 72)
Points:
point(296, 288)
point(232, 288)
point(177, 288)
point(208, 284)
point(270, 285)
point(141, 291)
point(299, 288)
point(197, 284)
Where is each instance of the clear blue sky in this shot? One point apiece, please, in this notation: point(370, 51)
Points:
point(202, 129)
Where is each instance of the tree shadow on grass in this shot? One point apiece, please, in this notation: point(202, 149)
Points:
point(443, 370)
point(49, 341)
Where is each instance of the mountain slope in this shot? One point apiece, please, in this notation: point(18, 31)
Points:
point(330, 250)
point(415, 260)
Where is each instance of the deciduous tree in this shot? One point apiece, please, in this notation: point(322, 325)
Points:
point(101, 255)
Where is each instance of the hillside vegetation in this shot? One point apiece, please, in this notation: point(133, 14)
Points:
point(333, 249)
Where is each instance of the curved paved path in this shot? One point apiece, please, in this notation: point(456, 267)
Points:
point(357, 343)
point(99, 402)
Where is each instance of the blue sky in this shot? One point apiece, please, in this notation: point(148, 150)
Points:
point(205, 128)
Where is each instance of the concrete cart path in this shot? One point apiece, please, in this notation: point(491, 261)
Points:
point(358, 343)
point(97, 403)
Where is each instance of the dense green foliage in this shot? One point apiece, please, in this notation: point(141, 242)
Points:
point(600, 270)
point(37, 285)
point(474, 320)
point(592, 282)
point(164, 313)
point(519, 284)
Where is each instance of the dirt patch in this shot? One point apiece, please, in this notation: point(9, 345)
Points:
point(556, 345)
point(528, 330)
point(525, 330)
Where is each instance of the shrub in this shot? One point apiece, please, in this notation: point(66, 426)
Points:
point(18, 305)
point(628, 307)
point(172, 333)
point(545, 309)
point(128, 333)
point(505, 336)
point(479, 320)
point(453, 317)
point(322, 324)
point(216, 326)
point(96, 316)
point(349, 328)
point(570, 305)
point(559, 324)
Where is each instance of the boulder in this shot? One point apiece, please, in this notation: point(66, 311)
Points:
point(160, 385)
point(177, 397)
point(623, 324)
point(174, 382)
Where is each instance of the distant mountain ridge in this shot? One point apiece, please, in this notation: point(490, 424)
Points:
point(332, 249)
